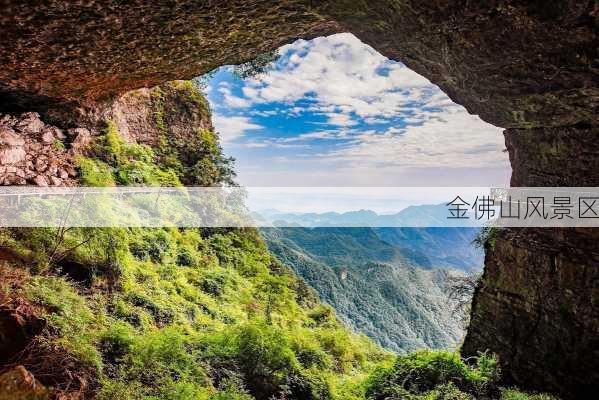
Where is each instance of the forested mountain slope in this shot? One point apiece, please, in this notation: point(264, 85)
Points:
point(371, 286)
point(418, 231)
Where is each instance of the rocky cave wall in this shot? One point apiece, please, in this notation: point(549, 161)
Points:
point(529, 66)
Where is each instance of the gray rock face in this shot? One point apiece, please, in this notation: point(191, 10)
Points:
point(537, 305)
point(29, 153)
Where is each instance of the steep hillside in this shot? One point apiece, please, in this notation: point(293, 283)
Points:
point(173, 314)
point(436, 247)
point(371, 286)
point(160, 313)
point(339, 246)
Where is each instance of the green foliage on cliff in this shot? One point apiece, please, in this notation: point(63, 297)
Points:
point(187, 314)
point(511, 394)
point(187, 150)
point(442, 375)
point(196, 156)
point(487, 236)
point(257, 66)
point(113, 161)
point(423, 372)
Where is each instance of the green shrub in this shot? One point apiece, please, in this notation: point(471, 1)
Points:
point(512, 394)
point(186, 258)
point(487, 236)
point(116, 342)
point(58, 144)
point(264, 351)
point(67, 313)
point(425, 370)
point(231, 395)
point(93, 172)
point(156, 245)
point(214, 283)
point(163, 358)
point(114, 161)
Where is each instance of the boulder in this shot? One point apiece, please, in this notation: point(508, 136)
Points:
point(8, 137)
point(30, 123)
point(18, 383)
point(40, 180)
point(47, 136)
point(82, 139)
point(12, 155)
point(55, 181)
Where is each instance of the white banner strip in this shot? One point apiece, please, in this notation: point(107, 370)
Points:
point(417, 207)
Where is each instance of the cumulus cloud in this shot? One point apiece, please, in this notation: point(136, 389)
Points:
point(231, 100)
point(341, 72)
point(454, 139)
point(380, 118)
point(339, 119)
point(232, 127)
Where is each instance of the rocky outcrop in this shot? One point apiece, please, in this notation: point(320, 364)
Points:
point(536, 307)
point(32, 152)
point(517, 64)
point(567, 156)
point(77, 52)
point(173, 119)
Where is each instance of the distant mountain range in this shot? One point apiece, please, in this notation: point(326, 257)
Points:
point(435, 215)
point(389, 283)
point(428, 247)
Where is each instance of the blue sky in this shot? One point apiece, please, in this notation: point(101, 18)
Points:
point(334, 112)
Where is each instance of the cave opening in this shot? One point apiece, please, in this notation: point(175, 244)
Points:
point(332, 111)
point(527, 68)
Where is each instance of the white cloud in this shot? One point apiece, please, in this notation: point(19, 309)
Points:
point(340, 119)
point(318, 135)
point(373, 120)
point(354, 88)
point(341, 72)
point(231, 128)
point(231, 100)
point(453, 139)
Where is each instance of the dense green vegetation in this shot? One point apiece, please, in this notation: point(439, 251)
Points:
point(371, 286)
point(191, 314)
point(197, 158)
point(115, 162)
point(441, 375)
point(188, 314)
point(193, 159)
